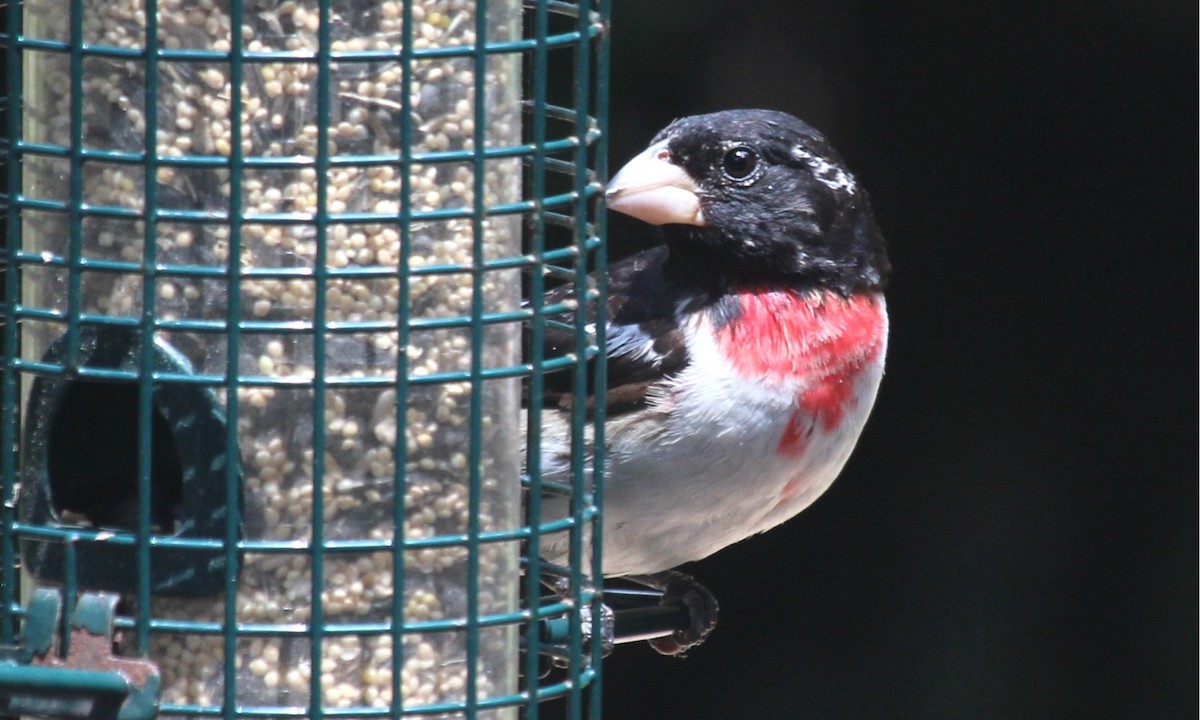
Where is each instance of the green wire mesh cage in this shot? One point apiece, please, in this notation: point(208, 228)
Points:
point(266, 353)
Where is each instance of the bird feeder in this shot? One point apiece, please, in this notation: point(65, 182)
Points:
point(264, 271)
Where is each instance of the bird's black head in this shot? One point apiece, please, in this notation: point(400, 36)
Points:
point(755, 194)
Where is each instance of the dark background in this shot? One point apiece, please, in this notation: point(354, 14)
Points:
point(1016, 535)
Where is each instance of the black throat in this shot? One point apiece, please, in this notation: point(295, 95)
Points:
point(845, 260)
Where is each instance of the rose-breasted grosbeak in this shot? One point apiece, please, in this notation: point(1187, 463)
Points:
point(743, 355)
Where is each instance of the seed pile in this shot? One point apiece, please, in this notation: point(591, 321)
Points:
point(278, 289)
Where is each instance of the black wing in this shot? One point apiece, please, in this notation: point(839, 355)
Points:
point(644, 342)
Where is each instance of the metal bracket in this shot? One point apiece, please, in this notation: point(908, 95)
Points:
point(626, 615)
point(640, 615)
point(74, 675)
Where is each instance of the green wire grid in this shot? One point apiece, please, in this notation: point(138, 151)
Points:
point(564, 160)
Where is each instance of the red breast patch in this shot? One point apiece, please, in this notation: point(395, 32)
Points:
point(821, 341)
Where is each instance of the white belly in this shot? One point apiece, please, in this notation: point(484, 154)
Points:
point(705, 469)
point(703, 489)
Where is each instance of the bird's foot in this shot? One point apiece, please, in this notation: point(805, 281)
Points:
point(680, 588)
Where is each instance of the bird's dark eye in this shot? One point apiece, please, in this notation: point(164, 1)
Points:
point(739, 163)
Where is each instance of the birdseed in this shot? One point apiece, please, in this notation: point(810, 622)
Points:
point(279, 288)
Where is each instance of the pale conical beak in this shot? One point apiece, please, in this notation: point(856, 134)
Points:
point(653, 189)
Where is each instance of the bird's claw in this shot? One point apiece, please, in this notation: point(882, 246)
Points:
point(680, 591)
point(702, 606)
